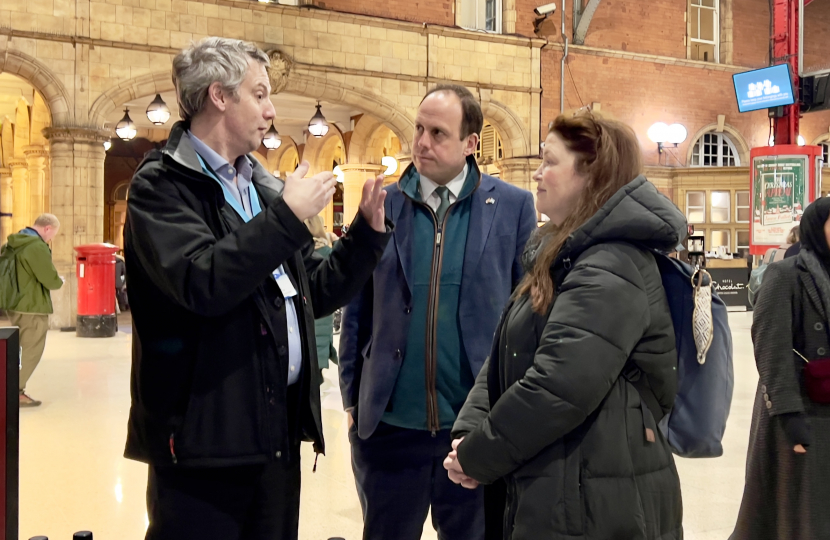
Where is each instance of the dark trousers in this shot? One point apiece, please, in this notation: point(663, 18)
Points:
point(400, 475)
point(252, 502)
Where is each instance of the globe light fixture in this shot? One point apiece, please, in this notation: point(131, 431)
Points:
point(125, 128)
point(662, 133)
point(391, 165)
point(339, 174)
point(659, 132)
point(677, 134)
point(107, 145)
point(272, 139)
point(318, 125)
point(157, 112)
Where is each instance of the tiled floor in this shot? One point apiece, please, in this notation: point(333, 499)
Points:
point(73, 476)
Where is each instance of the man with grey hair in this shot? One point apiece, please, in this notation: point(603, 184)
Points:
point(224, 289)
point(36, 278)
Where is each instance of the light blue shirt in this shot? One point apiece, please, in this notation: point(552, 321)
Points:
point(241, 191)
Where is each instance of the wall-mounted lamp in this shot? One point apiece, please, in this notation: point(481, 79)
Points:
point(662, 134)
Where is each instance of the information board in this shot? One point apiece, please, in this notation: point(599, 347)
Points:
point(780, 196)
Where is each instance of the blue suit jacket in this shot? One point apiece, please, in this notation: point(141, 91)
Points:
point(376, 323)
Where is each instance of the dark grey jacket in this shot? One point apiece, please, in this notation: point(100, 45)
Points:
point(786, 494)
point(551, 412)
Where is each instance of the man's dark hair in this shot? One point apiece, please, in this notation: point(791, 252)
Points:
point(472, 120)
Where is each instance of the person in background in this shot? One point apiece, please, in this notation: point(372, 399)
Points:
point(121, 282)
point(36, 278)
point(788, 464)
point(793, 239)
point(324, 326)
point(553, 412)
point(413, 342)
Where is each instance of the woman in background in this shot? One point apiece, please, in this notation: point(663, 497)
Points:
point(787, 492)
point(324, 327)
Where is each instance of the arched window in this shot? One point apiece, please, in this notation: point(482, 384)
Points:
point(489, 147)
point(121, 191)
point(715, 150)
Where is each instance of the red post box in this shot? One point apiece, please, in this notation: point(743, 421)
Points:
point(96, 290)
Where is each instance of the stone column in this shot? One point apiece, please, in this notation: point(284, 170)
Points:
point(77, 160)
point(6, 204)
point(36, 156)
point(20, 190)
point(354, 176)
point(519, 172)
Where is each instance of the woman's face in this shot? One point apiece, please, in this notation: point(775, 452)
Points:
point(559, 186)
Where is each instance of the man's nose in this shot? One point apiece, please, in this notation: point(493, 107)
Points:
point(270, 111)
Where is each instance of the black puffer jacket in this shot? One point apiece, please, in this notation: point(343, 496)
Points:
point(553, 414)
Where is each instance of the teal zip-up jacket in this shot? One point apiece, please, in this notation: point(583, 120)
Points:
point(375, 336)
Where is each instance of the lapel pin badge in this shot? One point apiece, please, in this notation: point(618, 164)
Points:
point(491, 200)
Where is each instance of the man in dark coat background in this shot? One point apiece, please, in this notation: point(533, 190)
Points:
point(224, 290)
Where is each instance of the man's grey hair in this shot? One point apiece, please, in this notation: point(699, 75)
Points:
point(212, 59)
point(47, 220)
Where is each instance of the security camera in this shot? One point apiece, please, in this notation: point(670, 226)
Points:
point(545, 9)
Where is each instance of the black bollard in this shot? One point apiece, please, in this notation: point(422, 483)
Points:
point(337, 538)
point(39, 538)
point(82, 535)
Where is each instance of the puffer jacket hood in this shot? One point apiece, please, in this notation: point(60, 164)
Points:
point(637, 214)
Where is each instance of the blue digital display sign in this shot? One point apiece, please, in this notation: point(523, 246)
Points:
point(764, 88)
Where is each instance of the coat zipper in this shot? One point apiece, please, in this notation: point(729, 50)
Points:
point(431, 360)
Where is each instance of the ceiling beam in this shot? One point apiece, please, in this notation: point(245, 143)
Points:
point(585, 21)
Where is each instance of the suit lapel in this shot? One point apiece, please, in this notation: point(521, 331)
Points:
point(402, 217)
point(482, 214)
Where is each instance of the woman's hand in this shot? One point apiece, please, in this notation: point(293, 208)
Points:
point(454, 469)
point(799, 449)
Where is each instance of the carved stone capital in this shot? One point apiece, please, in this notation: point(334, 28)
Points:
point(279, 70)
point(35, 151)
point(76, 134)
point(17, 163)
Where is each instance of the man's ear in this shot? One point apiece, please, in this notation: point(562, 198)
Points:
point(217, 95)
point(470, 144)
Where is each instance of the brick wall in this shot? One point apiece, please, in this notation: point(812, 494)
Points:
point(429, 11)
point(654, 27)
point(750, 33)
point(641, 93)
point(817, 35)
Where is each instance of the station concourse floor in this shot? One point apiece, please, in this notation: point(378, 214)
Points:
point(73, 476)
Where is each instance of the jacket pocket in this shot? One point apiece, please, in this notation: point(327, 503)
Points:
point(548, 495)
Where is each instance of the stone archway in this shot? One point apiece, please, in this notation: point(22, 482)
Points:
point(394, 116)
point(514, 136)
point(44, 81)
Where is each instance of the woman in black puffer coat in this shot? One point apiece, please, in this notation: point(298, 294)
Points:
point(553, 418)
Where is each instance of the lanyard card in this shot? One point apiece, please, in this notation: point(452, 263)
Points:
point(284, 283)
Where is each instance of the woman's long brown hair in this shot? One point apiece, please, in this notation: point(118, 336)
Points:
point(608, 154)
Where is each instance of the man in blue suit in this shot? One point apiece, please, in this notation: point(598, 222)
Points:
point(414, 340)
